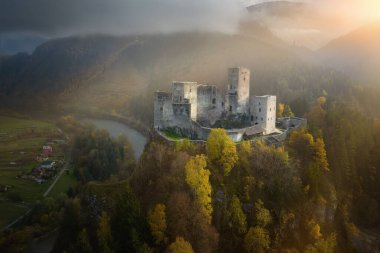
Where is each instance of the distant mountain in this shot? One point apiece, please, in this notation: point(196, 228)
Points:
point(16, 43)
point(299, 23)
point(107, 73)
point(356, 53)
point(65, 66)
point(277, 8)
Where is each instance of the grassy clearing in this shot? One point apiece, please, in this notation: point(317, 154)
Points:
point(172, 135)
point(10, 212)
point(66, 181)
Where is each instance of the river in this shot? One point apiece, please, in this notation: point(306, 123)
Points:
point(135, 138)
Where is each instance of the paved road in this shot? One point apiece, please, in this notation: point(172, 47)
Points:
point(56, 179)
point(16, 220)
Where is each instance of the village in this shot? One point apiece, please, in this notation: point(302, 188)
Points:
point(49, 164)
point(33, 165)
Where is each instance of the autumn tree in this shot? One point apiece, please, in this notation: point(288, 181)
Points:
point(323, 245)
point(180, 246)
point(245, 153)
point(288, 111)
point(83, 242)
point(302, 143)
point(262, 215)
point(221, 151)
point(314, 229)
point(320, 156)
point(238, 218)
point(197, 177)
point(179, 212)
point(280, 110)
point(184, 219)
point(313, 156)
point(104, 233)
point(249, 184)
point(316, 116)
point(157, 223)
point(256, 240)
point(186, 146)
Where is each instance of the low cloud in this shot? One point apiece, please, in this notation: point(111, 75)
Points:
point(68, 17)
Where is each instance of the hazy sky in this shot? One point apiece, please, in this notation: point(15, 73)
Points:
point(66, 17)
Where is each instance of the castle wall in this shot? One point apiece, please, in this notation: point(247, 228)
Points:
point(210, 105)
point(237, 98)
point(186, 92)
point(163, 109)
point(263, 112)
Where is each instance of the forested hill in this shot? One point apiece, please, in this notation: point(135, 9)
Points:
point(356, 53)
point(115, 73)
point(62, 66)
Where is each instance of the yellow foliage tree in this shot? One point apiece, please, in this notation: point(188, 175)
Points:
point(157, 223)
point(314, 229)
point(104, 233)
point(221, 150)
point(180, 246)
point(244, 154)
point(288, 111)
point(320, 156)
point(302, 143)
point(197, 177)
point(256, 240)
point(280, 110)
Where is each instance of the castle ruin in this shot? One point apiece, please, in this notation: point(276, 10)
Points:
point(193, 109)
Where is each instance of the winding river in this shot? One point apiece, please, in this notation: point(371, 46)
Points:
point(135, 138)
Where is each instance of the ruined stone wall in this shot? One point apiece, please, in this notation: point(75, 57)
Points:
point(163, 109)
point(210, 105)
point(292, 123)
point(186, 92)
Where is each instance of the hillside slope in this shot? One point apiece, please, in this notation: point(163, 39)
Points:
point(105, 73)
point(65, 66)
point(357, 54)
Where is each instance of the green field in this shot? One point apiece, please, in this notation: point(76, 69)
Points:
point(65, 182)
point(10, 211)
point(21, 140)
point(172, 135)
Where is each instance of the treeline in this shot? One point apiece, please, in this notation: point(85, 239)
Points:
point(214, 198)
point(352, 143)
point(94, 154)
point(319, 192)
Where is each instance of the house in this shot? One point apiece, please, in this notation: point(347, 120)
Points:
point(47, 150)
point(48, 165)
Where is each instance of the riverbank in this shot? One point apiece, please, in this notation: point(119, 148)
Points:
point(128, 121)
point(115, 128)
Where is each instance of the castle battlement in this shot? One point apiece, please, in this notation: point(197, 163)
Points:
point(192, 109)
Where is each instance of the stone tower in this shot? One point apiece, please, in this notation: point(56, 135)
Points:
point(263, 112)
point(237, 98)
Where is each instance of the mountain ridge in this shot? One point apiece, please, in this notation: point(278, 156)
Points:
point(356, 53)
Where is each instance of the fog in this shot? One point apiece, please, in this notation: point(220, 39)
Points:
point(70, 17)
point(312, 24)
